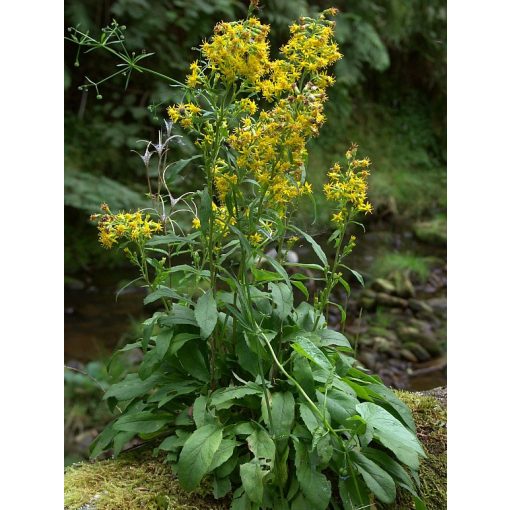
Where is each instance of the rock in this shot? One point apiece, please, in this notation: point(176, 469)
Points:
point(424, 338)
point(420, 306)
point(408, 355)
point(382, 285)
point(403, 285)
point(367, 299)
point(431, 232)
point(420, 352)
point(384, 332)
point(391, 301)
point(137, 480)
point(368, 359)
point(438, 304)
point(382, 344)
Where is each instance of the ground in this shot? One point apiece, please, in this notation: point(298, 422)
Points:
point(137, 481)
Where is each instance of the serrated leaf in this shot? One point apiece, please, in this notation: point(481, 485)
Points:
point(206, 314)
point(163, 292)
point(223, 453)
point(392, 434)
point(197, 455)
point(377, 480)
point(224, 395)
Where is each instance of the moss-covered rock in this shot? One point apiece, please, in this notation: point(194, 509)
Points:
point(138, 481)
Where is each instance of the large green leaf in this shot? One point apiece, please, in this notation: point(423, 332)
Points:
point(132, 386)
point(223, 453)
point(315, 486)
point(282, 298)
point(282, 409)
point(261, 444)
point(144, 422)
point(252, 477)
point(377, 480)
point(163, 292)
point(339, 404)
point(193, 362)
point(175, 168)
point(353, 493)
point(224, 395)
point(179, 315)
point(392, 434)
point(331, 337)
point(197, 455)
point(390, 465)
point(310, 351)
point(206, 314)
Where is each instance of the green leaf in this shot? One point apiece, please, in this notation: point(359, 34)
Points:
point(310, 351)
point(331, 337)
point(377, 480)
point(357, 275)
point(223, 453)
point(252, 477)
point(193, 362)
point(206, 314)
point(176, 167)
point(283, 299)
point(398, 473)
point(197, 455)
point(221, 487)
point(181, 339)
point(315, 486)
point(163, 292)
point(282, 408)
point(392, 434)
point(339, 404)
point(261, 444)
point(353, 493)
point(179, 315)
point(419, 504)
point(144, 422)
point(131, 387)
point(316, 248)
point(263, 275)
point(230, 393)
point(299, 285)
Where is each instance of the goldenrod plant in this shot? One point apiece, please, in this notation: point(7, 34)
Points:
point(242, 381)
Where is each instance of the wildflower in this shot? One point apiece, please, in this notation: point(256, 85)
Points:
point(256, 238)
point(196, 223)
point(248, 105)
point(193, 79)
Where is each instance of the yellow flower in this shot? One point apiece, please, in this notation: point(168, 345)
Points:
point(256, 238)
point(196, 223)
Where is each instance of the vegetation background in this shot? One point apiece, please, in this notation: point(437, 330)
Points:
point(390, 97)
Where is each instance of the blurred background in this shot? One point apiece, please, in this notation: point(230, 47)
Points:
point(389, 97)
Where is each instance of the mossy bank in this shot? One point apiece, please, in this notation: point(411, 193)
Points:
point(135, 482)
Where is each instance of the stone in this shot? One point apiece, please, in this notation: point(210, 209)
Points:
point(408, 355)
point(384, 332)
point(420, 306)
point(382, 344)
point(391, 301)
point(431, 232)
point(403, 286)
point(420, 352)
point(368, 359)
point(438, 304)
point(382, 285)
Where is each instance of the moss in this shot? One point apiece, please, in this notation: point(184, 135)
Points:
point(430, 416)
point(140, 481)
point(131, 482)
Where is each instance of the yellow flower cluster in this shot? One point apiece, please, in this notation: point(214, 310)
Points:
point(223, 179)
point(273, 148)
point(311, 45)
point(222, 219)
point(193, 79)
point(129, 226)
point(239, 50)
point(349, 188)
point(184, 114)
